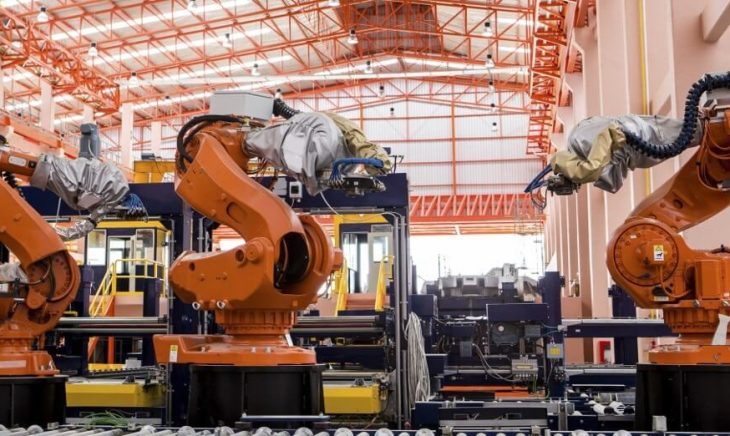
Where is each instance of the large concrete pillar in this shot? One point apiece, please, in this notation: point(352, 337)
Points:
point(47, 107)
point(156, 138)
point(126, 135)
point(2, 88)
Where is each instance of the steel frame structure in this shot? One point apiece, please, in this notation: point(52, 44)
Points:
point(312, 37)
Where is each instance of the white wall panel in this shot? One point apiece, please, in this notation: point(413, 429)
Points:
point(382, 130)
point(505, 189)
point(487, 173)
point(477, 149)
point(428, 151)
point(431, 175)
point(438, 190)
point(430, 128)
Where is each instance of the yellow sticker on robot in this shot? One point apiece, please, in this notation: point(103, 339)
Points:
point(658, 253)
point(173, 353)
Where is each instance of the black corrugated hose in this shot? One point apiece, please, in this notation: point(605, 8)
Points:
point(707, 83)
point(281, 109)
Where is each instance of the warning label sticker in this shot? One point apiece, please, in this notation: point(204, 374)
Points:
point(658, 253)
point(173, 353)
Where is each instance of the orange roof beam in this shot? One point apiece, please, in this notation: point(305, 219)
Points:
point(34, 51)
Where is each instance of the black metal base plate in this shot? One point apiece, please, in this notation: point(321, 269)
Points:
point(25, 401)
point(692, 397)
point(222, 395)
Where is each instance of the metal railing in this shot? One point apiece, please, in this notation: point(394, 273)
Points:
point(103, 299)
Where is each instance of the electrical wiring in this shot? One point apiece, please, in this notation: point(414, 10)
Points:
point(321, 194)
point(419, 380)
point(707, 83)
point(491, 371)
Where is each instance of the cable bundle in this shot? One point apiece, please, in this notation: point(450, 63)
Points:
point(689, 127)
point(12, 181)
point(419, 380)
point(133, 205)
point(538, 181)
point(283, 110)
point(337, 167)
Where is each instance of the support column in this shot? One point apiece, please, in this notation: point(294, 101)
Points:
point(47, 106)
point(125, 136)
point(156, 138)
point(88, 114)
point(572, 217)
point(2, 88)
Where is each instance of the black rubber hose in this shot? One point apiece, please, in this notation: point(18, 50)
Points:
point(707, 83)
point(12, 181)
point(181, 136)
point(281, 109)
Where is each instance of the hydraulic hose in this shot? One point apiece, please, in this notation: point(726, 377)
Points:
point(283, 110)
point(197, 122)
point(12, 181)
point(707, 83)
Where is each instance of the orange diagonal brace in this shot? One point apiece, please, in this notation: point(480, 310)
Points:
point(23, 45)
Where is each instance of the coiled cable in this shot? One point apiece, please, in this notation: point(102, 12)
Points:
point(707, 83)
point(283, 110)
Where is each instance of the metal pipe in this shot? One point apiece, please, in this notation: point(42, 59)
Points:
point(334, 331)
point(113, 331)
point(57, 432)
point(84, 433)
point(616, 321)
point(113, 432)
point(404, 279)
point(398, 348)
point(132, 320)
point(336, 319)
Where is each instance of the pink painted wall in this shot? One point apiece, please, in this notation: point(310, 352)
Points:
point(610, 84)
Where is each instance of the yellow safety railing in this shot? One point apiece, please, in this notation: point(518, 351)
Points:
point(342, 287)
point(102, 300)
point(380, 289)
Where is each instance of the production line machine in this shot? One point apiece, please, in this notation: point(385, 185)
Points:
point(648, 256)
point(486, 335)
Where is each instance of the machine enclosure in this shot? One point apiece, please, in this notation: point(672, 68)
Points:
point(691, 397)
point(26, 401)
point(222, 394)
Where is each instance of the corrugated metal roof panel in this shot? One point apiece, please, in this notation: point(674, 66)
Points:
point(430, 175)
point(518, 173)
point(477, 149)
point(427, 151)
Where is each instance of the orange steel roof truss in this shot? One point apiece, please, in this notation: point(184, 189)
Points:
point(159, 39)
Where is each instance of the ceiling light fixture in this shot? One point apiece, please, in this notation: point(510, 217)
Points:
point(490, 61)
point(278, 94)
point(133, 79)
point(494, 126)
point(352, 39)
point(255, 70)
point(227, 41)
point(93, 51)
point(333, 3)
point(381, 91)
point(368, 67)
point(192, 6)
point(43, 15)
point(492, 107)
point(487, 31)
point(491, 87)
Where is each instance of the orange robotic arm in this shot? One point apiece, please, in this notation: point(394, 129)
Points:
point(649, 258)
point(30, 306)
point(255, 289)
